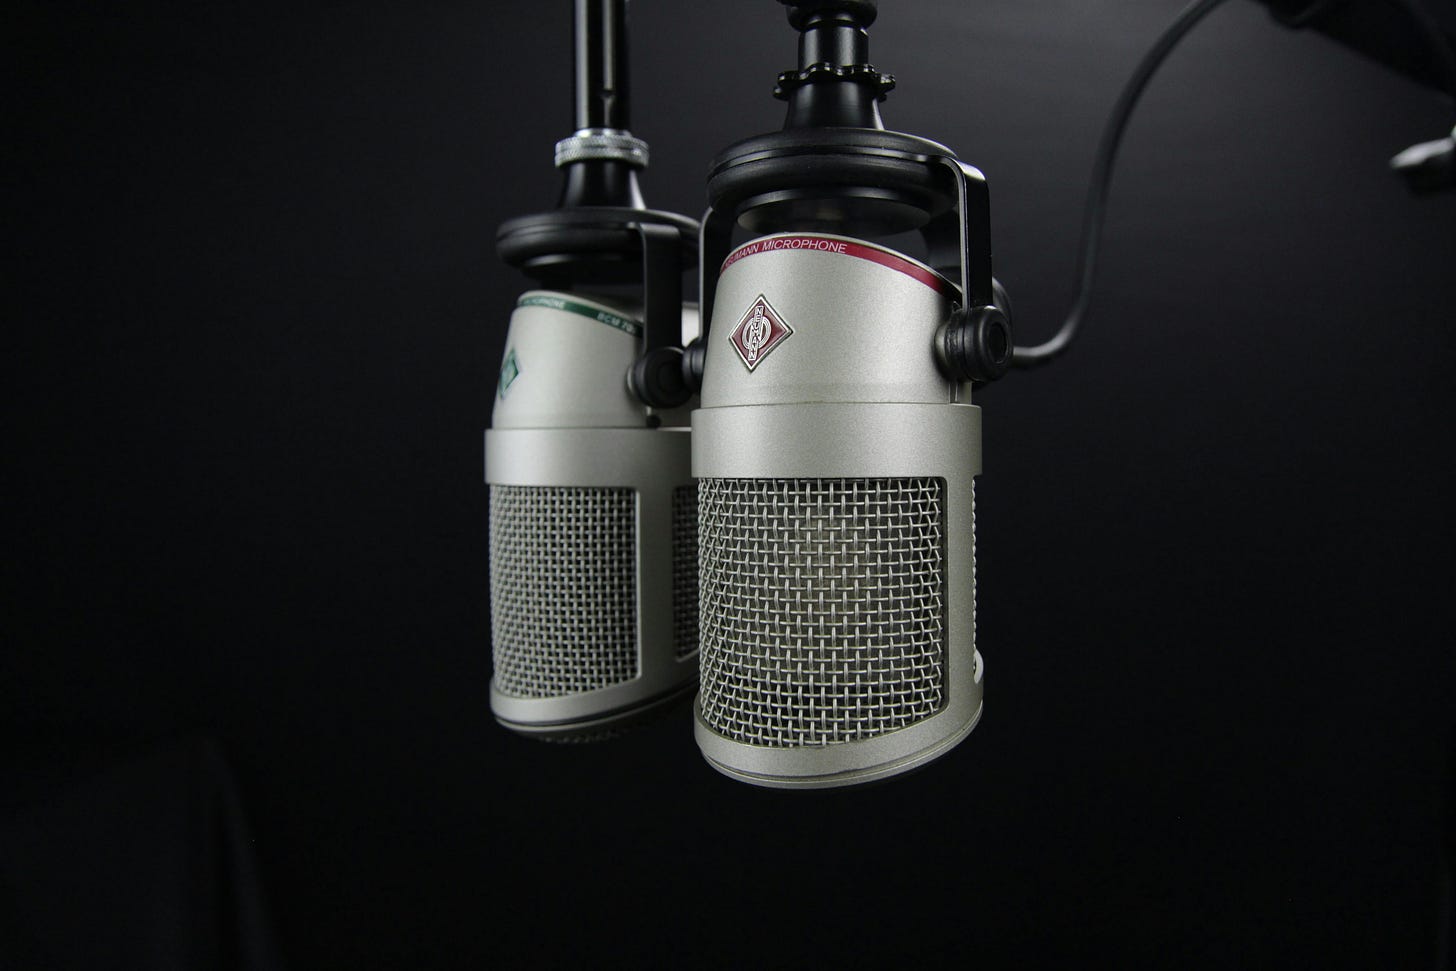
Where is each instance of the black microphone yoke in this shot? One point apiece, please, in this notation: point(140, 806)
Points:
point(601, 232)
point(834, 167)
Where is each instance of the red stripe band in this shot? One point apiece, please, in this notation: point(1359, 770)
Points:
point(844, 247)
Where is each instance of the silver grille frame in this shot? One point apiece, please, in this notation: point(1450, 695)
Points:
point(563, 590)
point(822, 607)
point(685, 571)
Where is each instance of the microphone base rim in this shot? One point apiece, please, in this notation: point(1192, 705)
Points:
point(840, 779)
point(603, 725)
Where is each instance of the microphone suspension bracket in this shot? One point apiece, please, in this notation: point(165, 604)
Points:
point(602, 233)
point(657, 377)
point(835, 168)
point(564, 248)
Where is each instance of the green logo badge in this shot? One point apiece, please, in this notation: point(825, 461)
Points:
point(510, 370)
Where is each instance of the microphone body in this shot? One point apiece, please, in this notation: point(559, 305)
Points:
point(835, 464)
point(592, 529)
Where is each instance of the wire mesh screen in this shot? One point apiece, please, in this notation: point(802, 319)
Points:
point(822, 607)
point(685, 570)
point(563, 592)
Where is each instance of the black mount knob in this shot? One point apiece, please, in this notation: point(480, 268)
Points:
point(657, 378)
point(977, 344)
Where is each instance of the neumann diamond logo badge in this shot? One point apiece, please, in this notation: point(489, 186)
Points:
point(510, 370)
point(760, 330)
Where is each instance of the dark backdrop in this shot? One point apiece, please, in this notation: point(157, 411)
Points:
point(253, 325)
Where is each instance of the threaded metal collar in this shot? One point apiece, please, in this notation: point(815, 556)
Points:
point(602, 144)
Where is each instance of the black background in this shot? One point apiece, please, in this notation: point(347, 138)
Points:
point(253, 326)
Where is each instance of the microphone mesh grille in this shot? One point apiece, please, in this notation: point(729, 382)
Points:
point(823, 607)
point(563, 591)
point(685, 570)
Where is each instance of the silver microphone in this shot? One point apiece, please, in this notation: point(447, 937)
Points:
point(837, 568)
point(836, 445)
point(593, 518)
point(593, 522)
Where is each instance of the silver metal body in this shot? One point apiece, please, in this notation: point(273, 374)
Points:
point(592, 529)
point(835, 468)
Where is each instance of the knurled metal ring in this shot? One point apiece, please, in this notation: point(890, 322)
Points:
point(602, 144)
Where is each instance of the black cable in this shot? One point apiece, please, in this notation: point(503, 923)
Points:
point(1096, 207)
point(1311, 13)
point(1027, 357)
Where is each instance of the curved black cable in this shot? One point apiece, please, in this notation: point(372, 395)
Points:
point(1307, 16)
point(1096, 207)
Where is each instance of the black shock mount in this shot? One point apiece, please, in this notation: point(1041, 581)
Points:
point(602, 233)
point(835, 168)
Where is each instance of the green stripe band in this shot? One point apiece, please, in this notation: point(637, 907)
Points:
point(633, 327)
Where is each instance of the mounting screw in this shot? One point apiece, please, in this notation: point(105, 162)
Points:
point(657, 378)
point(975, 345)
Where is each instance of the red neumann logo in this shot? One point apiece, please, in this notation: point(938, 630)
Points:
point(760, 330)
